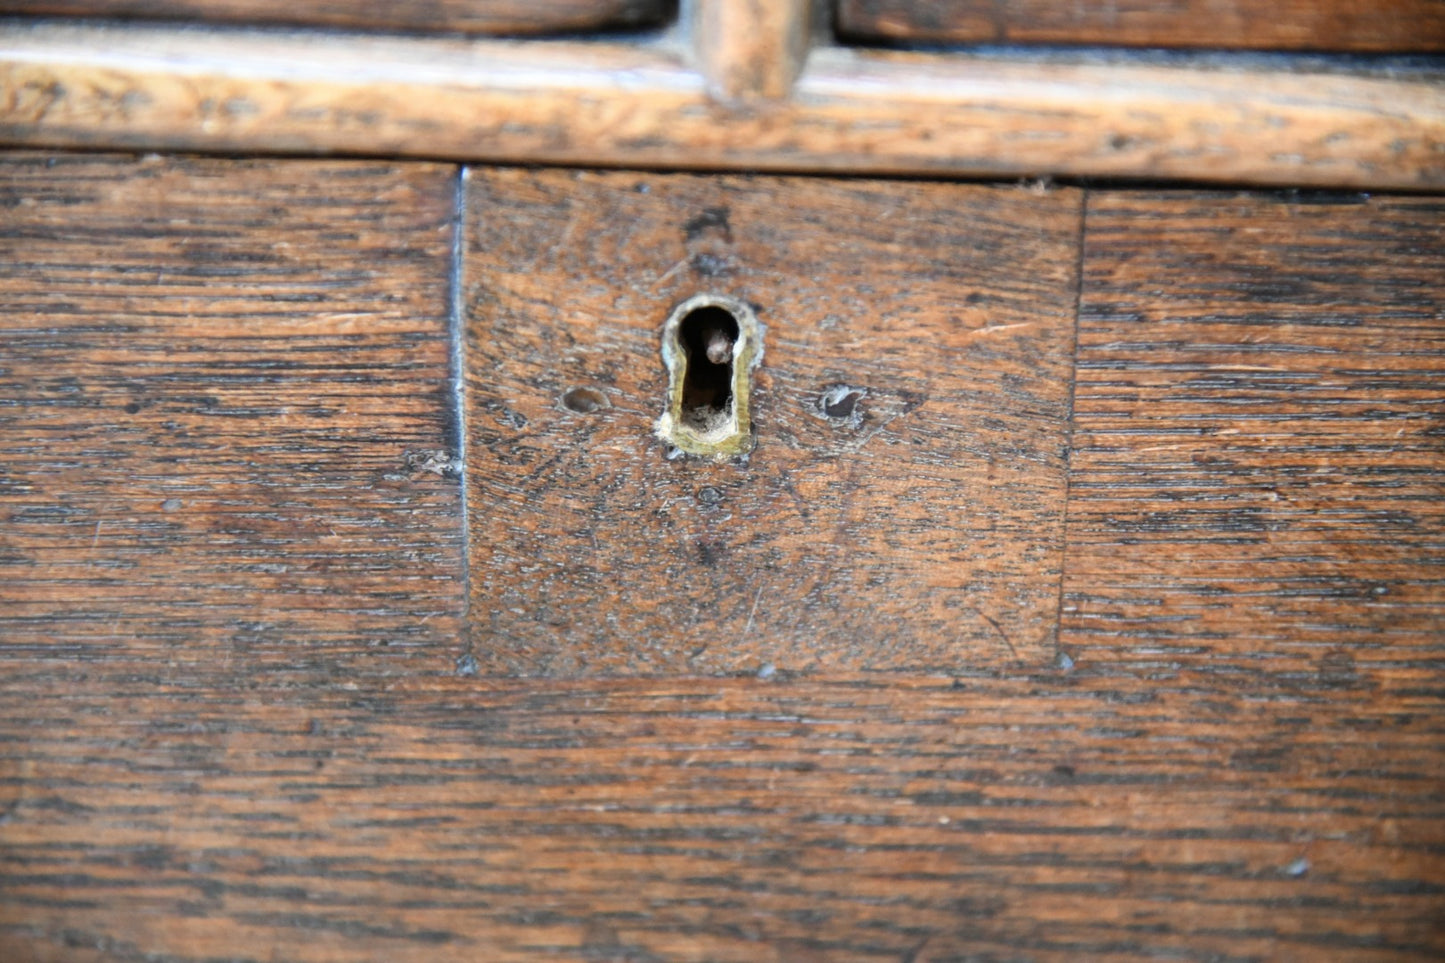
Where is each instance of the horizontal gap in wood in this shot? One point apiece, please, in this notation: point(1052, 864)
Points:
point(495, 17)
point(1341, 25)
point(643, 105)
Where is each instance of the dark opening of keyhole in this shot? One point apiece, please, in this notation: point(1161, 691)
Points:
point(707, 336)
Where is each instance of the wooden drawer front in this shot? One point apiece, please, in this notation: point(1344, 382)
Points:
point(237, 720)
point(426, 16)
point(1326, 25)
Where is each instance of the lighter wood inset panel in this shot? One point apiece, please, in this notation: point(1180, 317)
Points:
point(223, 407)
point(915, 525)
point(1258, 478)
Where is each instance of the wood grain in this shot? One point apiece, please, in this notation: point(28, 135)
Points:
point(223, 400)
point(611, 104)
point(1258, 474)
point(751, 49)
point(917, 530)
point(1045, 818)
point(427, 16)
point(1331, 25)
point(212, 373)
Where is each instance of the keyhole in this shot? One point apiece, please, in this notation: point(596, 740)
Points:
point(708, 336)
point(710, 345)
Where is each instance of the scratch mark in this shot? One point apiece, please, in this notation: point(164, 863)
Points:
point(565, 240)
point(747, 630)
point(878, 429)
point(997, 628)
point(670, 272)
point(996, 328)
point(911, 955)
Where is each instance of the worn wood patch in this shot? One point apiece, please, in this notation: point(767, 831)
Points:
point(223, 416)
point(1340, 25)
point(901, 509)
point(434, 16)
point(1040, 818)
point(1258, 477)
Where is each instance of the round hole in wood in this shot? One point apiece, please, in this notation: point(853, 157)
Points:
point(584, 401)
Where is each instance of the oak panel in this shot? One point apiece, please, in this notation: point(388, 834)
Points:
point(223, 414)
point(917, 529)
point(434, 16)
point(1258, 473)
point(1048, 818)
point(1331, 25)
point(202, 363)
point(624, 104)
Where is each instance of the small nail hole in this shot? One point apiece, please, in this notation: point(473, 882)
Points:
point(584, 401)
point(840, 401)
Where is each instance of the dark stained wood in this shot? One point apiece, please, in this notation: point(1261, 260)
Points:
point(223, 403)
point(1050, 818)
point(920, 530)
point(1258, 474)
point(1327, 25)
point(428, 16)
point(223, 450)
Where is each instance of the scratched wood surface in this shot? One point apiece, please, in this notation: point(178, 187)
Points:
point(426, 16)
point(1327, 25)
point(222, 409)
point(1258, 473)
point(219, 357)
point(918, 529)
point(1050, 818)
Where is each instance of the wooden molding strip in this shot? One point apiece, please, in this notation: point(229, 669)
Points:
point(644, 105)
point(751, 49)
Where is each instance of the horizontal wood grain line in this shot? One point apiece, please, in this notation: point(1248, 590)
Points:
point(614, 104)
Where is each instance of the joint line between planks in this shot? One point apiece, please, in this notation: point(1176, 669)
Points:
point(456, 336)
point(1069, 427)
